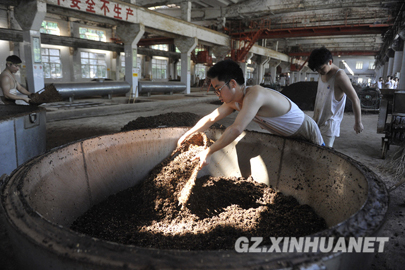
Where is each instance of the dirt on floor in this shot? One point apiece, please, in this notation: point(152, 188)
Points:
point(172, 119)
point(173, 210)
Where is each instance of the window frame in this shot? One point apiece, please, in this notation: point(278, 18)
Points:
point(359, 65)
point(48, 64)
point(102, 38)
point(161, 62)
point(94, 65)
point(47, 30)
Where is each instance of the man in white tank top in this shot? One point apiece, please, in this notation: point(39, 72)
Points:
point(333, 87)
point(9, 87)
point(272, 110)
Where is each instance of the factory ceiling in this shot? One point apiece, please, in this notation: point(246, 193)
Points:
point(292, 27)
point(295, 27)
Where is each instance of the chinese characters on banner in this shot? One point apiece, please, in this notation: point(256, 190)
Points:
point(107, 8)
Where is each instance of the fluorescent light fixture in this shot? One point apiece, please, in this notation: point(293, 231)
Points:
point(348, 68)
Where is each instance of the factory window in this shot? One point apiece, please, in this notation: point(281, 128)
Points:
point(249, 73)
point(159, 68)
point(161, 47)
point(93, 65)
point(122, 60)
point(51, 63)
point(169, 6)
point(200, 71)
point(92, 34)
point(50, 28)
point(359, 65)
point(371, 65)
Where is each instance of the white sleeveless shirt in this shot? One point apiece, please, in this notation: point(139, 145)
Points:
point(328, 112)
point(284, 125)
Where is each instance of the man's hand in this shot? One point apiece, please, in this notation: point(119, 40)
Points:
point(358, 127)
point(205, 158)
point(181, 140)
point(27, 99)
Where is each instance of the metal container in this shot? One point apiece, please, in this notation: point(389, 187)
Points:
point(22, 135)
point(146, 87)
point(95, 88)
point(42, 199)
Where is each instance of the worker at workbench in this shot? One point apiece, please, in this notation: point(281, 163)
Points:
point(333, 87)
point(9, 85)
point(272, 110)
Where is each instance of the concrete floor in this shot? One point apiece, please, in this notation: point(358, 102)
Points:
point(364, 147)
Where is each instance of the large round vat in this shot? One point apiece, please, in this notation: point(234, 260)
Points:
point(44, 196)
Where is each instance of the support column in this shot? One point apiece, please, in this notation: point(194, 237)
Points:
point(186, 45)
point(30, 15)
point(220, 52)
point(130, 34)
point(390, 65)
point(243, 66)
point(273, 63)
point(304, 73)
point(260, 66)
point(385, 71)
point(397, 63)
point(402, 72)
point(185, 11)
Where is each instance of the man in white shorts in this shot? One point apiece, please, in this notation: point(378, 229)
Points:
point(333, 86)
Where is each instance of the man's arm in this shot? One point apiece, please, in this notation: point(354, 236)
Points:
point(251, 105)
point(205, 122)
point(22, 90)
point(6, 86)
point(346, 87)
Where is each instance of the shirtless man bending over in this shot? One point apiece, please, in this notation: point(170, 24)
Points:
point(269, 108)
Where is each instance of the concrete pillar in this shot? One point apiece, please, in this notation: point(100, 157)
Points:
point(221, 21)
point(263, 60)
point(220, 52)
point(397, 63)
point(130, 34)
point(175, 69)
point(390, 66)
point(243, 66)
point(148, 67)
point(402, 73)
point(185, 45)
point(30, 15)
point(385, 71)
point(117, 65)
point(185, 11)
point(304, 73)
point(273, 64)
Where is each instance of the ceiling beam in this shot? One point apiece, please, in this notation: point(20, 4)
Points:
point(337, 53)
point(315, 31)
